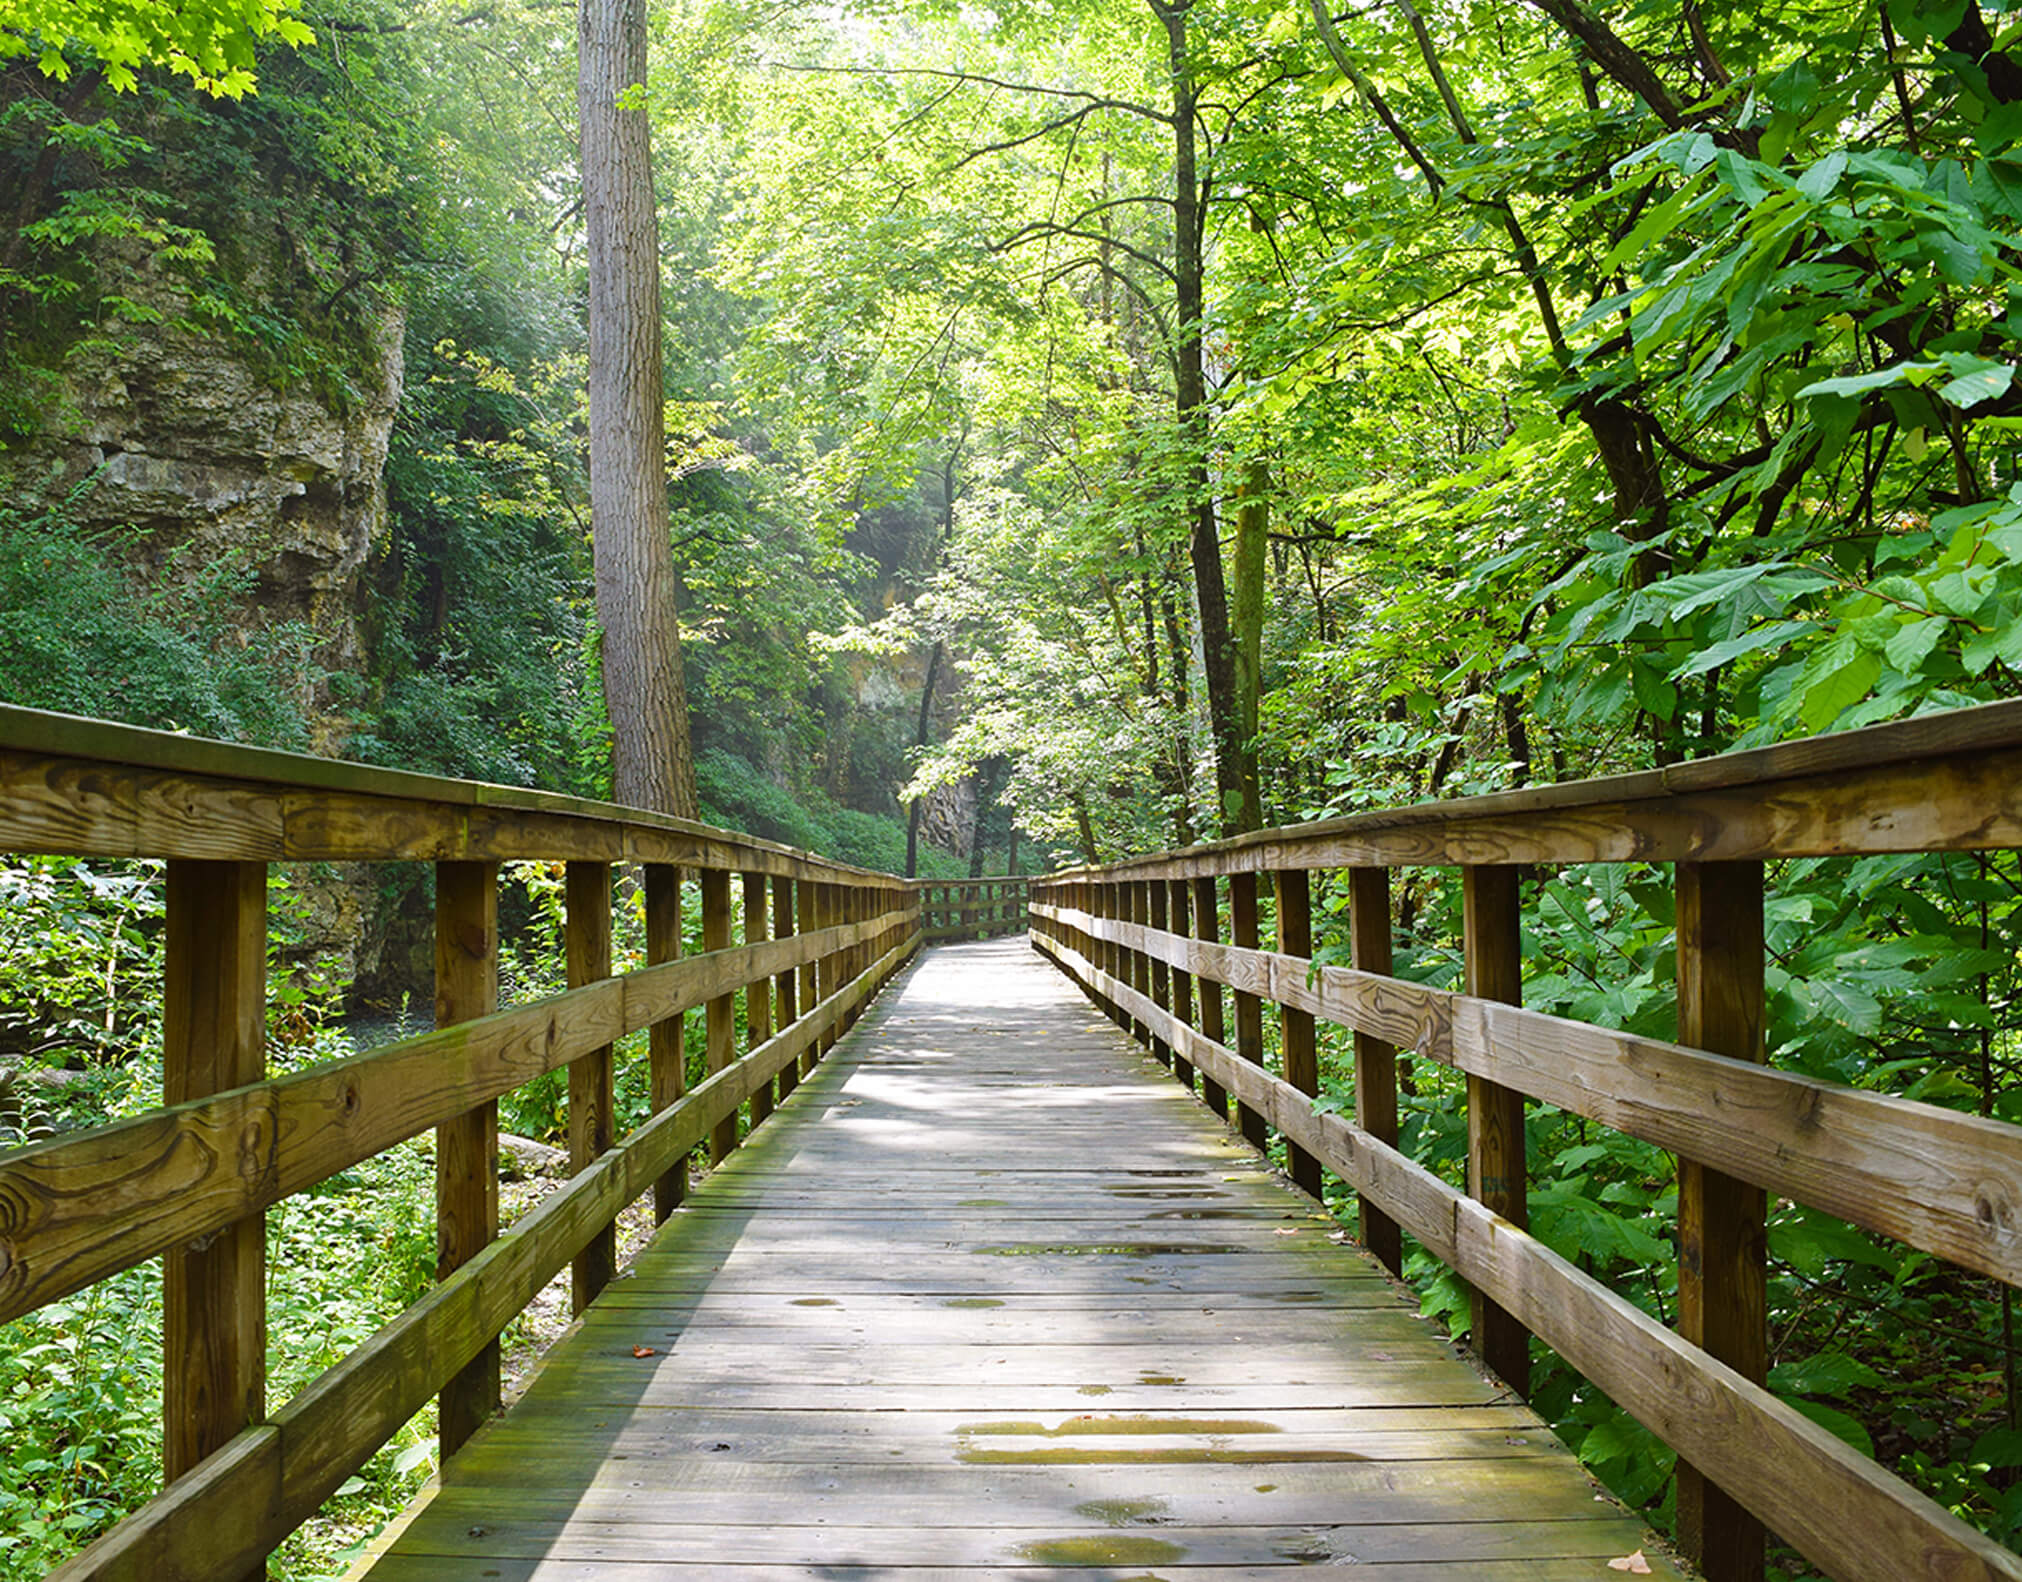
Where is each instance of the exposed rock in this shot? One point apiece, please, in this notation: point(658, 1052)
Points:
point(520, 1157)
point(178, 436)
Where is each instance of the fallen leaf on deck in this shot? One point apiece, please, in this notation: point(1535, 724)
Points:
point(642, 1351)
point(1634, 1564)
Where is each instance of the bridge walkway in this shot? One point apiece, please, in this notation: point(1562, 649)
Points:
point(992, 1295)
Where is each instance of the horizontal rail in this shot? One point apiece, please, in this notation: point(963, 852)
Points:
point(1795, 1476)
point(224, 1517)
point(76, 1209)
point(1945, 782)
point(88, 788)
point(1943, 1181)
point(971, 908)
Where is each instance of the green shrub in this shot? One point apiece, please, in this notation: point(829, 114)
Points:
point(77, 636)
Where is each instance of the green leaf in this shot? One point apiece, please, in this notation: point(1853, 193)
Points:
point(1911, 646)
point(1975, 379)
point(1838, 681)
point(1828, 1373)
point(1880, 379)
point(1851, 1006)
point(1774, 635)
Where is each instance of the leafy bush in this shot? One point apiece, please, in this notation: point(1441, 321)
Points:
point(77, 636)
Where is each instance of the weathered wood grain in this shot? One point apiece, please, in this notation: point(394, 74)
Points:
point(235, 1508)
point(1939, 1180)
point(666, 1036)
point(466, 1145)
point(1845, 1513)
point(214, 1038)
point(76, 1209)
point(1375, 1057)
point(593, 1102)
point(1497, 1172)
point(1723, 1303)
point(1300, 1055)
point(1058, 1416)
point(92, 788)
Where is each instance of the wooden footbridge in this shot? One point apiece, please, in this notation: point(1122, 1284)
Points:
point(989, 1278)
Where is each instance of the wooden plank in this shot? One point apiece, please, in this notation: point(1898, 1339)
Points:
point(787, 981)
point(757, 993)
point(720, 1026)
point(808, 901)
point(666, 1035)
point(1181, 902)
point(1723, 1300)
point(1301, 1053)
point(214, 1027)
point(78, 1208)
point(1497, 1174)
point(1943, 1181)
point(592, 1095)
point(1375, 1059)
point(271, 1478)
point(1207, 928)
point(1846, 1514)
point(1249, 999)
point(1158, 973)
point(466, 1145)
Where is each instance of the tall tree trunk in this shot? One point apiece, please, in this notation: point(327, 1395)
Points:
point(1204, 535)
point(915, 808)
point(652, 765)
point(989, 783)
point(926, 724)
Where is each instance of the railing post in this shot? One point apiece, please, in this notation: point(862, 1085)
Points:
point(592, 1099)
point(1154, 894)
point(720, 1015)
point(786, 984)
point(1302, 1060)
point(1375, 1060)
point(466, 1146)
point(825, 967)
point(1249, 1009)
point(807, 899)
point(757, 993)
point(214, 1037)
point(1722, 1290)
point(666, 1040)
point(1207, 927)
point(1492, 928)
point(1181, 928)
point(1137, 909)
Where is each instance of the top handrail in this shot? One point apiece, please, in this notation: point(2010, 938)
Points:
point(73, 786)
point(1945, 781)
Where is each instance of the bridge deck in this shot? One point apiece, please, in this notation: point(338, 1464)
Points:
point(991, 1295)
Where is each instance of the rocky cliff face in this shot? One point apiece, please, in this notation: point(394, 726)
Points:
point(178, 442)
point(177, 446)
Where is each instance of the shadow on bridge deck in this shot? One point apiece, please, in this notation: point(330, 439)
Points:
point(991, 1295)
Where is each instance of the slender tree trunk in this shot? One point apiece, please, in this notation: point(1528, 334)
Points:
point(652, 766)
point(926, 724)
point(915, 807)
point(1204, 534)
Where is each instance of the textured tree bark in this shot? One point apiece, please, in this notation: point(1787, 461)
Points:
point(1204, 539)
point(651, 763)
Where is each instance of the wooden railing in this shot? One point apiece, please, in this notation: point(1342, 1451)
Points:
point(1156, 941)
point(970, 908)
point(189, 1182)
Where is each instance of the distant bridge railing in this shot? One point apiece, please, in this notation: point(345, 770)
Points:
point(970, 908)
point(1145, 939)
point(189, 1182)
